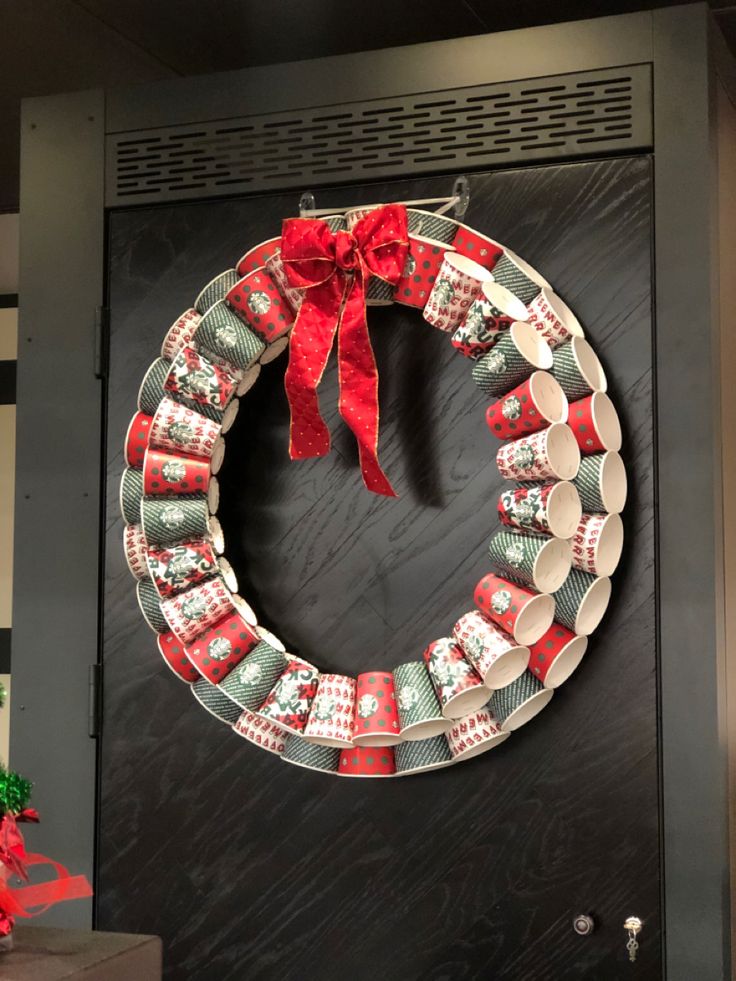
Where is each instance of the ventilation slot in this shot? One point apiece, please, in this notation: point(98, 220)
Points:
point(568, 116)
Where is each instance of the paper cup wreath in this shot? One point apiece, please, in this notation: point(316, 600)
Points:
point(560, 536)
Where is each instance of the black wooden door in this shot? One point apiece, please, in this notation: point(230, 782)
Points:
point(253, 869)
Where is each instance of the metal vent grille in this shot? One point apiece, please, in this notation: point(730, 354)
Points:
point(564, 116)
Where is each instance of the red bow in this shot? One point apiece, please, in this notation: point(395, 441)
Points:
point(334, 269)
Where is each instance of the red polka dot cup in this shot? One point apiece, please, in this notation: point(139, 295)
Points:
point(475, 734)
point(174, 655)
point(552, 318)
point(180, 334)
point(367, 761)
point(520, 612)
point(480, 248)
point(535, 404)
point(459, 687)
point(458, 283)
point(277, 272)
point(174, 474)
point(332, 712)
point(217, 650)
point(258, 256)
point(137, 439)
point(595, 424)
point(423, 262)
point(376, 721)
point(260, 732)
point(257, 300)
point(550, 453)
point(556, 655)
point(494, 654)
point(597, 543)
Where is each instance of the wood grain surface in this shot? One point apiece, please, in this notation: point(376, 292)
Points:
point(253, 869)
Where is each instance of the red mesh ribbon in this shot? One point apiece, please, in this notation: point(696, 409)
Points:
point(14, 860)
point(334, 270)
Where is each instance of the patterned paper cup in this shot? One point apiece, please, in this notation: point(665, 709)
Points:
point(420, 712)
point(257, 257)
point(180, 334)
point(518, 276)
point(195, 379)
point(250, 377)
point(336, 223)
point(152, 387)
point(136, 439)
point(576, 367)
point(553, 319)
point(556, 655)
point(215, 701)
point(458, 283)
point(131, 495)
point(595, 424)
point(171, 521)
point(332, 713)
point(581, 602)
point(190, 613)
point(150, 605)
point(256, 300)
point(136, 550)
point(517, 353)
point(366, 761)
point(289, 700)
point(551, 453)
point(276, 271)
point(459, 687)
point(247, 613)
point(535, 404)
point(422, 755)
point(376, 713)
point(494, 654)
point(355, 215)
point(326, 759)
point(431, 225)
point(537, 561)
point(601, 482)
point(269, 637)
point(224, 337)
point(179, 428)
point(479, 247)
point(553, 508)
point(221, 648)
point(213, 495)
point(490, 313)
point(475, 734)
point(423, 262)
point(175, 658)
point(250, 682)
point(174, 473)
point(175, 569)
point(267, 735)
point(523, 614)
point(519, 702)
point(379, 293)
point(215, 290)
point(597, 543)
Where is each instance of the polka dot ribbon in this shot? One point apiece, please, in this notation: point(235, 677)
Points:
point(334, 270)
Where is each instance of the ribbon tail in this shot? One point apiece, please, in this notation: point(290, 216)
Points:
point(359, 385)
point(20, 902)
point(309, 350)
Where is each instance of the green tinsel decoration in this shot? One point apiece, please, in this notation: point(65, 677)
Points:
point(15, 792)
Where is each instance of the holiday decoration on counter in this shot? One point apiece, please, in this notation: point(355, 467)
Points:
point(560, 535)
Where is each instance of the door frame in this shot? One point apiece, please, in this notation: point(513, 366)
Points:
point(62, 326)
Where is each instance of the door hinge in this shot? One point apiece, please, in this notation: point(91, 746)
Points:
point(102, 333)
point(94, 700)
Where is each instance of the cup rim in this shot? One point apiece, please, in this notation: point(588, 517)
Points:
point(566, 529)
point(424, 767)
point(606, 422)
point(229, 415)
point(244, 608)
point(329, 742)
point(213, 495)
point(366, 739)
point(465, 702)
point(425, 729)
point(228, 574)
point(221, 275)
point(566, 661)
point(513, 663)
point(502, 298)
point(610, 544)
point(557, 553)
point(465, 266)
point(216, 534)
point(549, 399)
point(534, 619)
point(560, 436)
point(612, 482)
point(593, 606)
point(529, 271)
point(217, 457)
point(528, 709)
point(562, 311)
point(588, 364)
point(250, 376)
point(531, 345)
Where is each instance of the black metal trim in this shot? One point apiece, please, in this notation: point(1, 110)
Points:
point(7, 382)
point(8, 301)
point(5, 635)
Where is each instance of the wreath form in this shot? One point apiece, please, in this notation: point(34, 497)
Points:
point(559, 541)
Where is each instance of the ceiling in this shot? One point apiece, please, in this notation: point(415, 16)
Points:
point(50, 46)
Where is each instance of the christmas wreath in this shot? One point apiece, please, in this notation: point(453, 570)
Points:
point(560, 535)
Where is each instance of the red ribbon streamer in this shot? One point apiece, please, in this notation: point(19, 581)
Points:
point(334, 269)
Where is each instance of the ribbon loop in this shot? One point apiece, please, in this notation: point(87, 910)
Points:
point(333, 270)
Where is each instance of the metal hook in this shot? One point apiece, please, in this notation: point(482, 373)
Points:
point(306, 203)
point(461, 191)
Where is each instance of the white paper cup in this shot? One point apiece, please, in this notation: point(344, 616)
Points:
point(458, 283)
point(597, 543)
point(552, 452)
point(553, 318)
point(474, 734)
point(494, 654)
